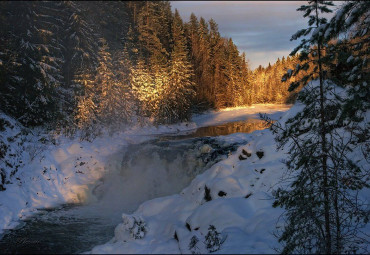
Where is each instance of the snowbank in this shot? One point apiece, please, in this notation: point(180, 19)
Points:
point(233, 195)
point(43, 171)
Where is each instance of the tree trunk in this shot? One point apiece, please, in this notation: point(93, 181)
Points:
point(323, 144)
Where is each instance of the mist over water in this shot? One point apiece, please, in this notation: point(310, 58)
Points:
point(150, 170)
point(138, 173)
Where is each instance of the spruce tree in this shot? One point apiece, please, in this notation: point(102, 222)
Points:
point(124, 97)
point(180, 92)
point(30, 63)
point(87, 106)
point(106, 85)
point(143, 87)
point(323, 211)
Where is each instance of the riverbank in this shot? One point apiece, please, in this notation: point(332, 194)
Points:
point(233, 196)
point(60, 173)
point(226, 210)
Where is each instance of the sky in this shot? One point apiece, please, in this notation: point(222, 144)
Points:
point(261, 29)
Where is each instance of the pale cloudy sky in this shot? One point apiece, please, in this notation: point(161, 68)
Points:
point(262, 29)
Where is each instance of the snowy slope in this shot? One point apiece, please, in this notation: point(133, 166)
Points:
point(57, 170)
point(53, 173)
point(240, 206)
point(234, 195)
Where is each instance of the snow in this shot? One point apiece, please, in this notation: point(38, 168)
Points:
point(238, 203)
point(56, 174)
point(239, 113)
point(63, 172)
point(244, 214)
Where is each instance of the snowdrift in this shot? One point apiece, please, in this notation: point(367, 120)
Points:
point(234, 197)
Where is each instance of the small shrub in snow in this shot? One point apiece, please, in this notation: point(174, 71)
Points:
point(193, 245)
point(214, 239)
point(135, 225)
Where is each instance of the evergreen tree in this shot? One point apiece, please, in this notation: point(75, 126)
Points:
point(106, 85)
point(87, 107)
point(217, 63)
point(123, 93)
point(213, 239)
point(152, 34)
point(143, 87)
point(323, 215)
point(180, 93)
point(349, 65)
point(29, 73)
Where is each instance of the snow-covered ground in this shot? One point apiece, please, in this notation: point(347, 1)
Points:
point(234, 196)
point(50, 174)
point(239, 205)
point(232, 114)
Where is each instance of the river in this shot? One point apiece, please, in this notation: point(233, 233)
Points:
point(140, 172)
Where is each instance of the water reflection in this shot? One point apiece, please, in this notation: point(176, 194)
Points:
point(246, 126)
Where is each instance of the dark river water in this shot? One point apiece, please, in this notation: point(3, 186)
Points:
point(141, 172)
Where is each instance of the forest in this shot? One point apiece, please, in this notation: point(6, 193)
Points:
point(81, 66)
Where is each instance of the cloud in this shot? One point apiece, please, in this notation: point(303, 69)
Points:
point(260, 28)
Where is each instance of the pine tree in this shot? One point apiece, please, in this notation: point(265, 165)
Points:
point(180, 92)
point(29, 81)
point(214, 239)
point(216, 54)
point(323, 215)
point(124, 98)
point(106, 84)
point(193, 245)
point(348, 56)
point(143, 87)
point(80, 44)
point(152, 34)
point(204, 62)
point(87, 107)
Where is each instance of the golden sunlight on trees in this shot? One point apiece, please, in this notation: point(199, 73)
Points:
point(95, 64)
